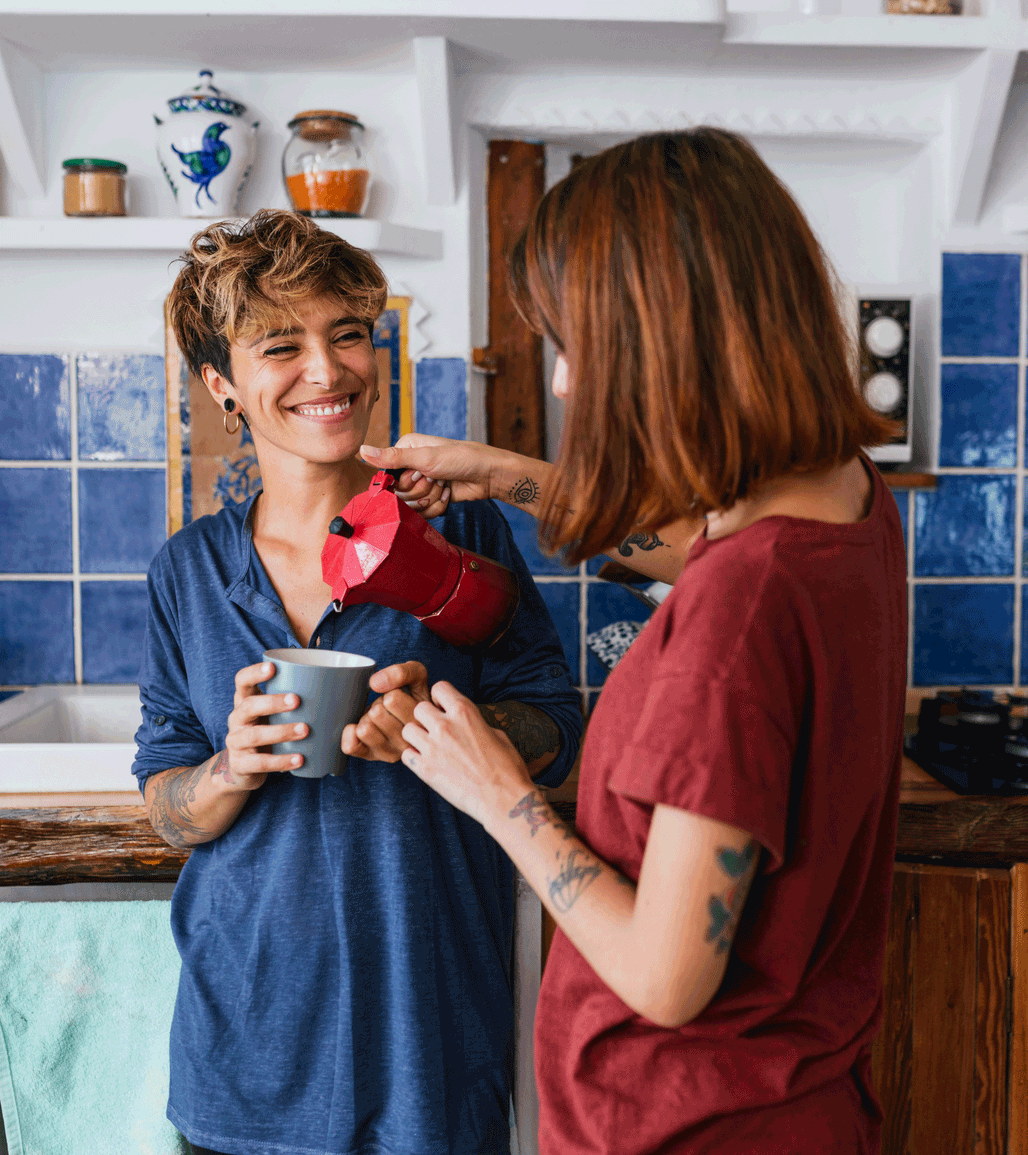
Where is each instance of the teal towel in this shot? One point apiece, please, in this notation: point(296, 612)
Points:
point(87, 991)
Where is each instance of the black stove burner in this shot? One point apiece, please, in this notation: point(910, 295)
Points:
point(972, 743)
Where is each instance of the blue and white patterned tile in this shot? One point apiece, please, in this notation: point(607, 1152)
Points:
point(965, 527)
point(35, 513)
point(981, 304)
point(122, 519)
point(562, 600)
point(525, 530)
point(121, 407)
point(113, 624)
point(441, 404)
point(37, 407)
point(608, 603)
point(979, 416)
point(963, 635)
point(38, 643)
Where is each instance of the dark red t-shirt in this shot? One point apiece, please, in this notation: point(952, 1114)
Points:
point(767, 692)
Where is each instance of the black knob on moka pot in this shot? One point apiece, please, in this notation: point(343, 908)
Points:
point(340, 527)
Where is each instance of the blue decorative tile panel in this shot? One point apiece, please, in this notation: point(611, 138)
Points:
point(562, 600)
point(981, 304)
point(122, 519)
point(595, 564)
point(35, 513)
point(963, 635)
point(36, 633)
point(121, 408)
point(608, 603)
point(965, 528)
point(113, 623)
point(525, 529)
point(37, 407)
point(979, 415)
point(441, 398)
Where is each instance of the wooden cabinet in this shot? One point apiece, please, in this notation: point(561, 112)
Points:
point(949, 1061)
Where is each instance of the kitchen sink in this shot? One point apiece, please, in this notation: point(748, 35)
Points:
point(69, 739)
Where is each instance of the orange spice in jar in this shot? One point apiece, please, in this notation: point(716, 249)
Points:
point(94, 187)
point(325, 165)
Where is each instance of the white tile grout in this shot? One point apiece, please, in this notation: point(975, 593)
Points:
point(76, 586)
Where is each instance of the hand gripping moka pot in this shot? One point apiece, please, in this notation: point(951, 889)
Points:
point(380, 550)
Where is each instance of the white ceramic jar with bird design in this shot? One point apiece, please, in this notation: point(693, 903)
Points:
point(206, 144)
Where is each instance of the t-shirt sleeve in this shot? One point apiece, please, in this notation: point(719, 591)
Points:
point(527, 664)
point(170, 734)
point(720, 738)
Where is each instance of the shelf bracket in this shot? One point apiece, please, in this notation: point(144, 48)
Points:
point(435, 104)
point(979, 98)
point(21, 119)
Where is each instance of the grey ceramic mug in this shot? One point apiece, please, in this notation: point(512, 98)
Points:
point(333, 690)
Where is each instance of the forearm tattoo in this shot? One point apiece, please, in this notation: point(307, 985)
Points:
point(726, 907)
point(577, 866)
point(534, 733)
point(644, 541)
point(524, 492)
point(173, 793)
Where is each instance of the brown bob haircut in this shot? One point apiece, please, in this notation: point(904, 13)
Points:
point(237, 281)
point(700, 322)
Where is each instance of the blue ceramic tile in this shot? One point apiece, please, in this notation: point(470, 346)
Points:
point(594, 697)
point(113, 623)
point(35, 512)
point(965, 527)
point(608, 603)
point(37, 641)
point(121, 408)
point(5, 694)
point(37, 407)
point(903, 505)
point(562, 600)
point(525, 529)
point(963, 635)
point(594, 564)
point(979, 415)
point(442, 397)
point(122, 521)
point(981, 304)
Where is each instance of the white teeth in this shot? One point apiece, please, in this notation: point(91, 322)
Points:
point(323, 410)
point(337, 409)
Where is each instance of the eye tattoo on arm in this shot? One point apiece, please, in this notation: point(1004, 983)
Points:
point(726, 907)
point(524, 492)
point(645, 542)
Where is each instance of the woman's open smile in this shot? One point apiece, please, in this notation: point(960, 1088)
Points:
point(327, 410)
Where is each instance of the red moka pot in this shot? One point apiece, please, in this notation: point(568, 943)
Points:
point(380, 550)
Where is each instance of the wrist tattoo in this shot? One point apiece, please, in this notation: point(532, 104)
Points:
point(645, 542)
point(537, 813)
point(534, 733)
point(220, 767)
point(524, 492)
point(725, 908)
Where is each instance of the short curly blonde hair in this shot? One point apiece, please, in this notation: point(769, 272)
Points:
point(237, 280)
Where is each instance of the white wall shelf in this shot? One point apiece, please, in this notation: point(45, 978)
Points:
point(172, 234)
point(877, 31)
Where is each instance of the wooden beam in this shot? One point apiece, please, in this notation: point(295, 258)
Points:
point(515, 403)
point(435, 107)
point(979, 98)
point(1017, 1134)
point(21, 119)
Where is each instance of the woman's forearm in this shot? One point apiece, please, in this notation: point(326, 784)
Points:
point(193, 804)
point(591, 901)
point(519, 481)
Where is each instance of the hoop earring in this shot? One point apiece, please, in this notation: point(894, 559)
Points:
point(377, 396)
point(229, 407)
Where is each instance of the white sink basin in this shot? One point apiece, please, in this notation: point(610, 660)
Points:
point(69, 739)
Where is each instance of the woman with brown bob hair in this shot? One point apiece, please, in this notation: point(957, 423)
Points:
point(715, 981)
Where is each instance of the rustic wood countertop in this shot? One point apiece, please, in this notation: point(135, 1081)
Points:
point(108, 838)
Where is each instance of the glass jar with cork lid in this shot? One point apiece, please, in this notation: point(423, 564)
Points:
point(325, 165)
point(94, 187)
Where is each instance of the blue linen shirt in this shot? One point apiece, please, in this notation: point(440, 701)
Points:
point(346, 944)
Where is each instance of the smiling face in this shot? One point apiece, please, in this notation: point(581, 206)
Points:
point(307, 386)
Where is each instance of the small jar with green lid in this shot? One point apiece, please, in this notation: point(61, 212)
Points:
point(94, 187)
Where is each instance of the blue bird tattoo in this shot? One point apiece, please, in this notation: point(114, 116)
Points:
point(207, 162)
